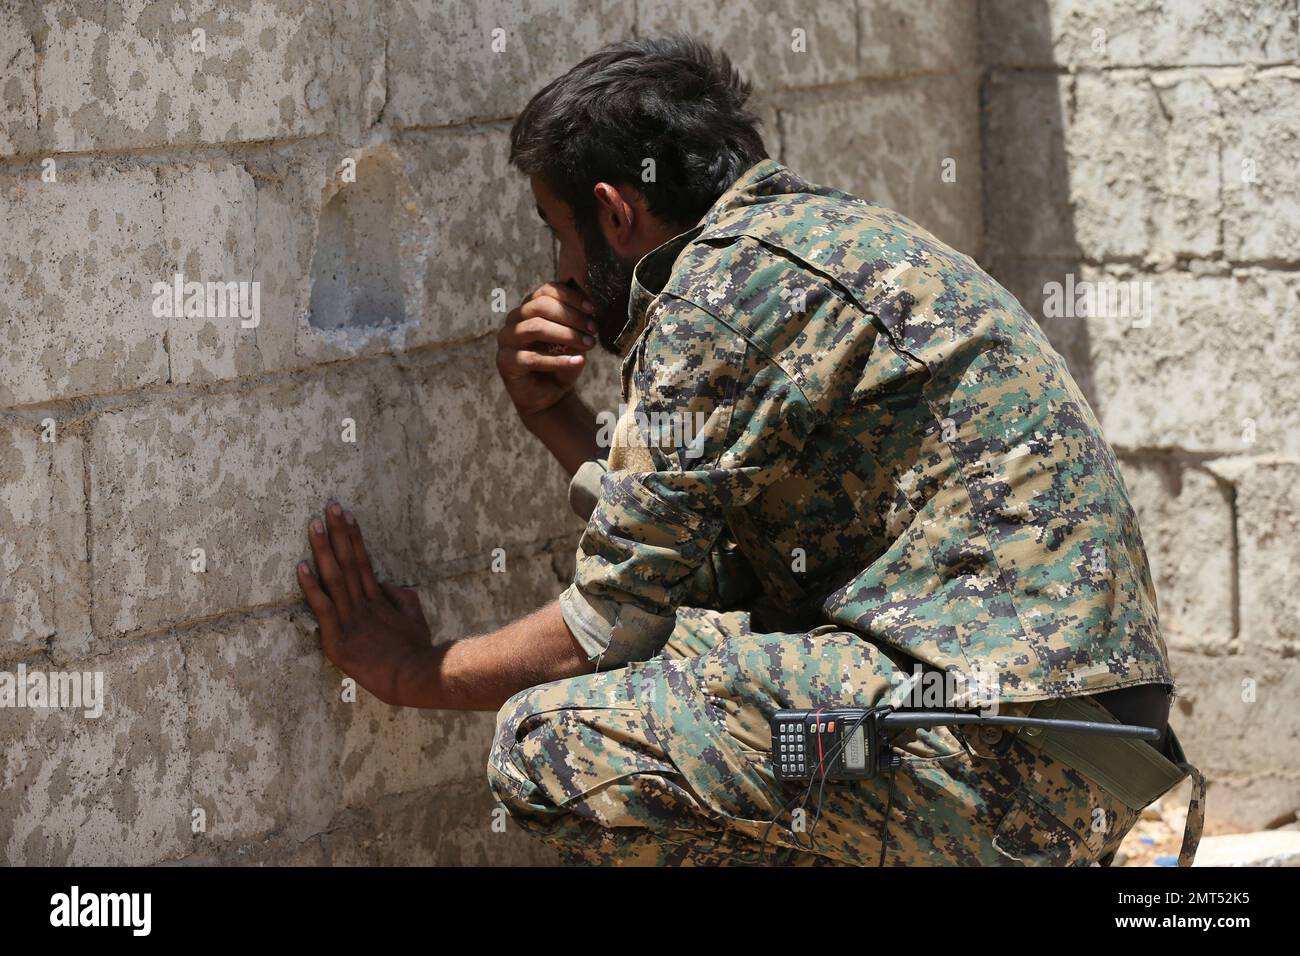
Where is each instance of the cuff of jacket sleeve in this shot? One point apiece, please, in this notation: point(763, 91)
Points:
point(584, 487)
point(616, 633)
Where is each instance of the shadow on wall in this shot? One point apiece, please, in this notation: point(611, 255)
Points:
point(1028, 214)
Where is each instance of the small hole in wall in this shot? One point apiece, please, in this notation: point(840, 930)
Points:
point(356, 276)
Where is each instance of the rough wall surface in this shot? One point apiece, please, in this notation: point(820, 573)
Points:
point(1158, 143)
point(130, 151)
point(350, 158)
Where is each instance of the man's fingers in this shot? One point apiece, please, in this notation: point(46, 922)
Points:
point(321, 607)
point(331, 575)
point(531, 331)
point(564, 292)
point(537, 362)
point(407, 601)
point(368, 583)
point(563, 311)
point(341, 539)
point(552, 310)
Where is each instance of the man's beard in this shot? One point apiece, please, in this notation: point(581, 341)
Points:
point(609, 286)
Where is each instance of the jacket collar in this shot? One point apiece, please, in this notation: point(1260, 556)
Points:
point(652, 270)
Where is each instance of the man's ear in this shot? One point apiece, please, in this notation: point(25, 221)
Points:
point(617, 216)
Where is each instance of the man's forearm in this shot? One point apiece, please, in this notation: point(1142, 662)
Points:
point(568, 430)
point(482, 673)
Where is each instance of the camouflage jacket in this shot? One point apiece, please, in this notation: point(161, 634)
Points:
point(837, 421)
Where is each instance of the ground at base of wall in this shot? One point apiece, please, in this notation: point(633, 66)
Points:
point(1157, 837)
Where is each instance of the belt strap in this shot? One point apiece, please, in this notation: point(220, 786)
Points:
point(1132, 770)
point(1195, 804)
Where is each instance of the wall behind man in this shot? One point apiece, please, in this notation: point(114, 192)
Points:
point(1154, 146)
point(129, 440)
point(351, 159)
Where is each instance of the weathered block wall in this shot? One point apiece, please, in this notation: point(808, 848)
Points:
point(128, 440)
point(1159, 143)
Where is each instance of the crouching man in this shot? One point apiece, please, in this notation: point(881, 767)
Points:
point(847, 458)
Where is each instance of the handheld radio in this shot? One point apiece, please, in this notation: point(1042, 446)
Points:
point(854, 743)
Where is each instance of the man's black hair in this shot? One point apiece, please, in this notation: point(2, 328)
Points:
point(671, 99)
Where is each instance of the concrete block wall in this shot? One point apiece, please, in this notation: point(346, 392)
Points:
point(1159, 144)
point(139, 140)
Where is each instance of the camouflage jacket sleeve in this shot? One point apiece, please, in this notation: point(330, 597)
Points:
point(721, 422)
point(722, 583)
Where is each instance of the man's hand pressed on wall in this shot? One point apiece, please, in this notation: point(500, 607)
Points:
point(377, 634)
point(371, 632)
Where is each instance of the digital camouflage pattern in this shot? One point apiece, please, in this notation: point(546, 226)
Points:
point(844, 449)
point(666, 762)
point(890, 442)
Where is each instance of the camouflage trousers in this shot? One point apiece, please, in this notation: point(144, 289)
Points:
point(666, 762)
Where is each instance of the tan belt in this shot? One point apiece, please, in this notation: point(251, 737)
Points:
point(1133, 770)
